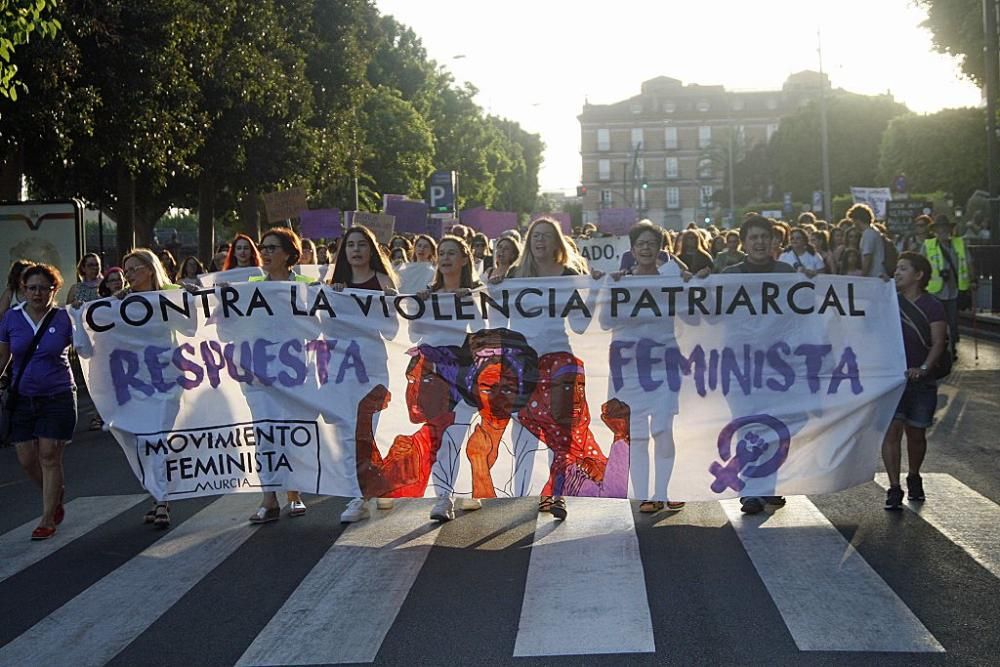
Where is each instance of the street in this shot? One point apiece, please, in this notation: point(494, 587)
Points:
point(826, 580)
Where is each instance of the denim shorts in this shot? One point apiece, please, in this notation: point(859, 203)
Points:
point(917, 405)
point(52, 416)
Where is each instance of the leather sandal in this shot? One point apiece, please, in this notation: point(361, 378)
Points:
point(265, 515)
point(650, 506)
point(161, 516)
point(545, 504)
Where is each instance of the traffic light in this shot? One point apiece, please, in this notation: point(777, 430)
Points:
point(581, 191)
point(645, 184)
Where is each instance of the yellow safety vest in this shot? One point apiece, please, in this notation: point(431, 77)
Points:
point(932, 249)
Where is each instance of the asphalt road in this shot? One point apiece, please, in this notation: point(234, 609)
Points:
point(828, 580)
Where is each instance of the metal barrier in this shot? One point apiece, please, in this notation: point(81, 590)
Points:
point(986, 263)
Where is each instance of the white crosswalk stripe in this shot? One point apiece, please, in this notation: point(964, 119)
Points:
point(961, 514)
point(17, 552)
point(586, 571)
point(829, 597)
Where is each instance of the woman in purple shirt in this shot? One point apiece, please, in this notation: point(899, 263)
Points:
point(44, 414)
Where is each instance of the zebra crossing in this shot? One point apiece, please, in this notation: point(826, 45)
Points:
point(499, 584)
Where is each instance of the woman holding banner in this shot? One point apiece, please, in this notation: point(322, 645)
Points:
point(456, 274)
point(647, 239)
point(37, 335)
point(361, 263)
point(925, 338)
point(280, 250)
point(144, 273)
point(548, 254)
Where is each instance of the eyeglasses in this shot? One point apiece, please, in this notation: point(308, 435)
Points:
point(269, 248)
point(39, 289)
point(646, 244)
point(130, 270)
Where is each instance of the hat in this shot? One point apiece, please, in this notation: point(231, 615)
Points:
point(942, 220)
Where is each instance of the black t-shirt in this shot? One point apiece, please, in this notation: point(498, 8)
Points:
point(771, 266)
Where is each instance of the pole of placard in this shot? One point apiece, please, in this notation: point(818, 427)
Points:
point(991, 88)
point(975, 332)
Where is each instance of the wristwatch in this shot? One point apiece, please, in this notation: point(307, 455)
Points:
point(923, 367)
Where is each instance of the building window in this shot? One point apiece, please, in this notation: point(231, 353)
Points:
point(673, 197)
point(636, 137)
point(669, 107)
point(605, 197)
point(705, 168)
point(636, 108)
point(706, 192)
point(704, 136)
point(771, 129)
point(670, 138)
point(604, 170)
point(671, 170)
point(603, 139)
point(737, 104)
point(703, 106)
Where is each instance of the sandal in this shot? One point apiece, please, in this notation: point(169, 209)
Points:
point(161, 516)
point(265, 515)
point(545, 503)
point(650, 506)
point(675, 506)
point(150, 516)
point(558, 508)
point(96, 424)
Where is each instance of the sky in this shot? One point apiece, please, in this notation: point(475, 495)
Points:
point(536, 62)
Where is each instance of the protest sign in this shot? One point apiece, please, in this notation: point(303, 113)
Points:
point(410, 215)
point(616, 221)
point(284, 205)
point(900, 214)
point(322, 223)
point(772, 384)
point(381, 225)
point(604, 254)
point(874, 197)
point(491, 223)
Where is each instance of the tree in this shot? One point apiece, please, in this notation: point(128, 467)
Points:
point(956, 28)
point(19, 20)
point(855, 126)
point(941, 151)
point(400, 146)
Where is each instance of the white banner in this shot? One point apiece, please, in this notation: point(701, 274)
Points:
point(319, 272)
point(646, 388)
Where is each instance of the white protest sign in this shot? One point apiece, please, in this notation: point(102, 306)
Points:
point(877, 198)
point(379, 224)
point(604, 254)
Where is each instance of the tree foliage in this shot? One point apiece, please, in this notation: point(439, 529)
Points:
point(19, 21)
point(941, 151)
point(956, 28)
point(855, 125)
point(145, 106)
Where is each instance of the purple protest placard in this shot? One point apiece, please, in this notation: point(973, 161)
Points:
point(490, 223)
point(561, 217)
point(410, 215)
point(616, 221)
point(321, 223)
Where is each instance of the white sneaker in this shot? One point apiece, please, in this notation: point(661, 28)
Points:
point(384, 503)
point(356, 510)
point(443, 510)
point(471, 504)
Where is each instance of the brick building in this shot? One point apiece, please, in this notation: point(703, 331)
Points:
point(675, 139)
